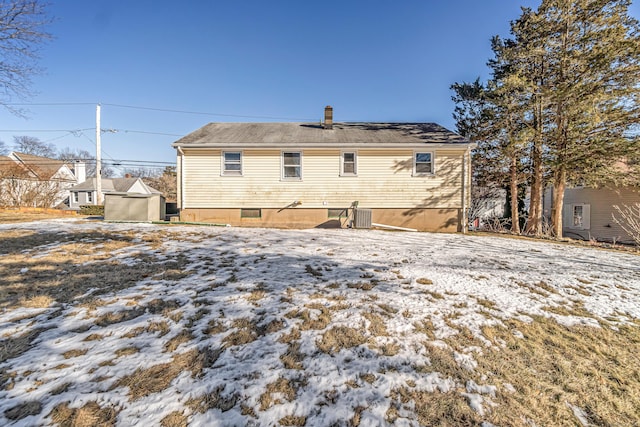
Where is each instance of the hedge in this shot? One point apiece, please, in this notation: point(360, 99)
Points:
point(93, 210)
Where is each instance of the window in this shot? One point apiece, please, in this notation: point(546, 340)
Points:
point(423, 164)
point(231, 163)
point(75, 197)
point(578, 218)
point(89, 197)
point(291, 165)
point(250, 213)
point(349, 165)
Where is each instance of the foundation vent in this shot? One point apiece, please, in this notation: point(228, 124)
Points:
point(362, 218)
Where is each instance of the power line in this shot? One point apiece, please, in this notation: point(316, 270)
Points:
point(208, 113)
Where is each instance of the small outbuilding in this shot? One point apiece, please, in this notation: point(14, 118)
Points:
point(134, 207)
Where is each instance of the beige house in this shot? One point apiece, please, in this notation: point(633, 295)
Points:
point(32, 181)
point(588, 212)
point(302, 175)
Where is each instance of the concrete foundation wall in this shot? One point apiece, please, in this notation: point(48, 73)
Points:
point(440, 220)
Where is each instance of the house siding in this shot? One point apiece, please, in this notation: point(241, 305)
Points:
point(384, 183)
point(384, 180)
point(601, 201)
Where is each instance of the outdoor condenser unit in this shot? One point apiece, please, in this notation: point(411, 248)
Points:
point(362, 218)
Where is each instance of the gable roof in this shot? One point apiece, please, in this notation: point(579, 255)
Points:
point(43, 168)
point(315, 135)
point(113, 185)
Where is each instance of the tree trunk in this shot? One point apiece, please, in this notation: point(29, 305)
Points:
point(513, 178)
point(534, 223)
point(559, 184)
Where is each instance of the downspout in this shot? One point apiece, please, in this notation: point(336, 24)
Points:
point(464, 192)
point(181, 200)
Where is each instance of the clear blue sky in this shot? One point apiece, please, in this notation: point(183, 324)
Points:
point(372, 60)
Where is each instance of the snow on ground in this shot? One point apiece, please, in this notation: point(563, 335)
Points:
point(258, 306)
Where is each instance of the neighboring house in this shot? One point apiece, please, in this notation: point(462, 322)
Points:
point(413, 175)
point(588, 212)
point(85, 192)
point(487, 203)
point(34, 181)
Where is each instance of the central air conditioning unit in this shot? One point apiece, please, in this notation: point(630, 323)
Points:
point(362, 218)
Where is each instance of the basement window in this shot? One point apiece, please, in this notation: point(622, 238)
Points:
point(338, 213)
point(423, 164)
point(231, 163)
point(250, 213)
point(292, 165)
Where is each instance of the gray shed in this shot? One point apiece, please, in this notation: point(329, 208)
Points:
point(134, 207)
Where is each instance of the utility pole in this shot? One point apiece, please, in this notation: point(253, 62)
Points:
point(98, 158)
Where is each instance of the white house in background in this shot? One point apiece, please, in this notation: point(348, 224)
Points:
point(487, 203)
point(84, 193)
point(588, 212)
point(34, 181)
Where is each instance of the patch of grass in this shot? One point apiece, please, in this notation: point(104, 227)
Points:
point(74, 353)
point(293, 357)
point(14, 347)
point(339, 337)
point(93, 337)
point(449, 409)
point(213, 400)
point(114, 317)
point(23, 410)
point(37, 301)
point(214, 327)
point(292, 420)
point(377, 326)
point(595, 369)
point(424, 281)
point(282, 387)
point(127, 351)
point(488, 304)
point(363, 286)
point(576, 309)
point(181, 338)
point(91, 414)
point(426, 327)
point(433, 294)
point(388, 309)
point(145, 381)
point(312, 321)
point(245, 333)
point(174, 419)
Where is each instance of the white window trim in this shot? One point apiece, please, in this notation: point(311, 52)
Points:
point(282, 177)
point(222, 162)
point(89, 197)
point(355, 163)
point(433, 163)
point(75, 197)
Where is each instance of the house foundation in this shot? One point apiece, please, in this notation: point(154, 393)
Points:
point(421, 219)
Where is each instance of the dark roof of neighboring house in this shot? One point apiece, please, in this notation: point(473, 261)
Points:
point(112, 185)
point(42, 167)
point(310, 134)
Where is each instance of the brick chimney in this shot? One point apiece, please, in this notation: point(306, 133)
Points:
point(328, 117)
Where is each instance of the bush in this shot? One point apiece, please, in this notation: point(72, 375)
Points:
point(93, 210)
point(629, 219)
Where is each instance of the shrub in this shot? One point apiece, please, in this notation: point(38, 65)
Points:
point(94, 210)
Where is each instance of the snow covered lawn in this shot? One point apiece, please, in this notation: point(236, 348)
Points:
point(137, 324)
